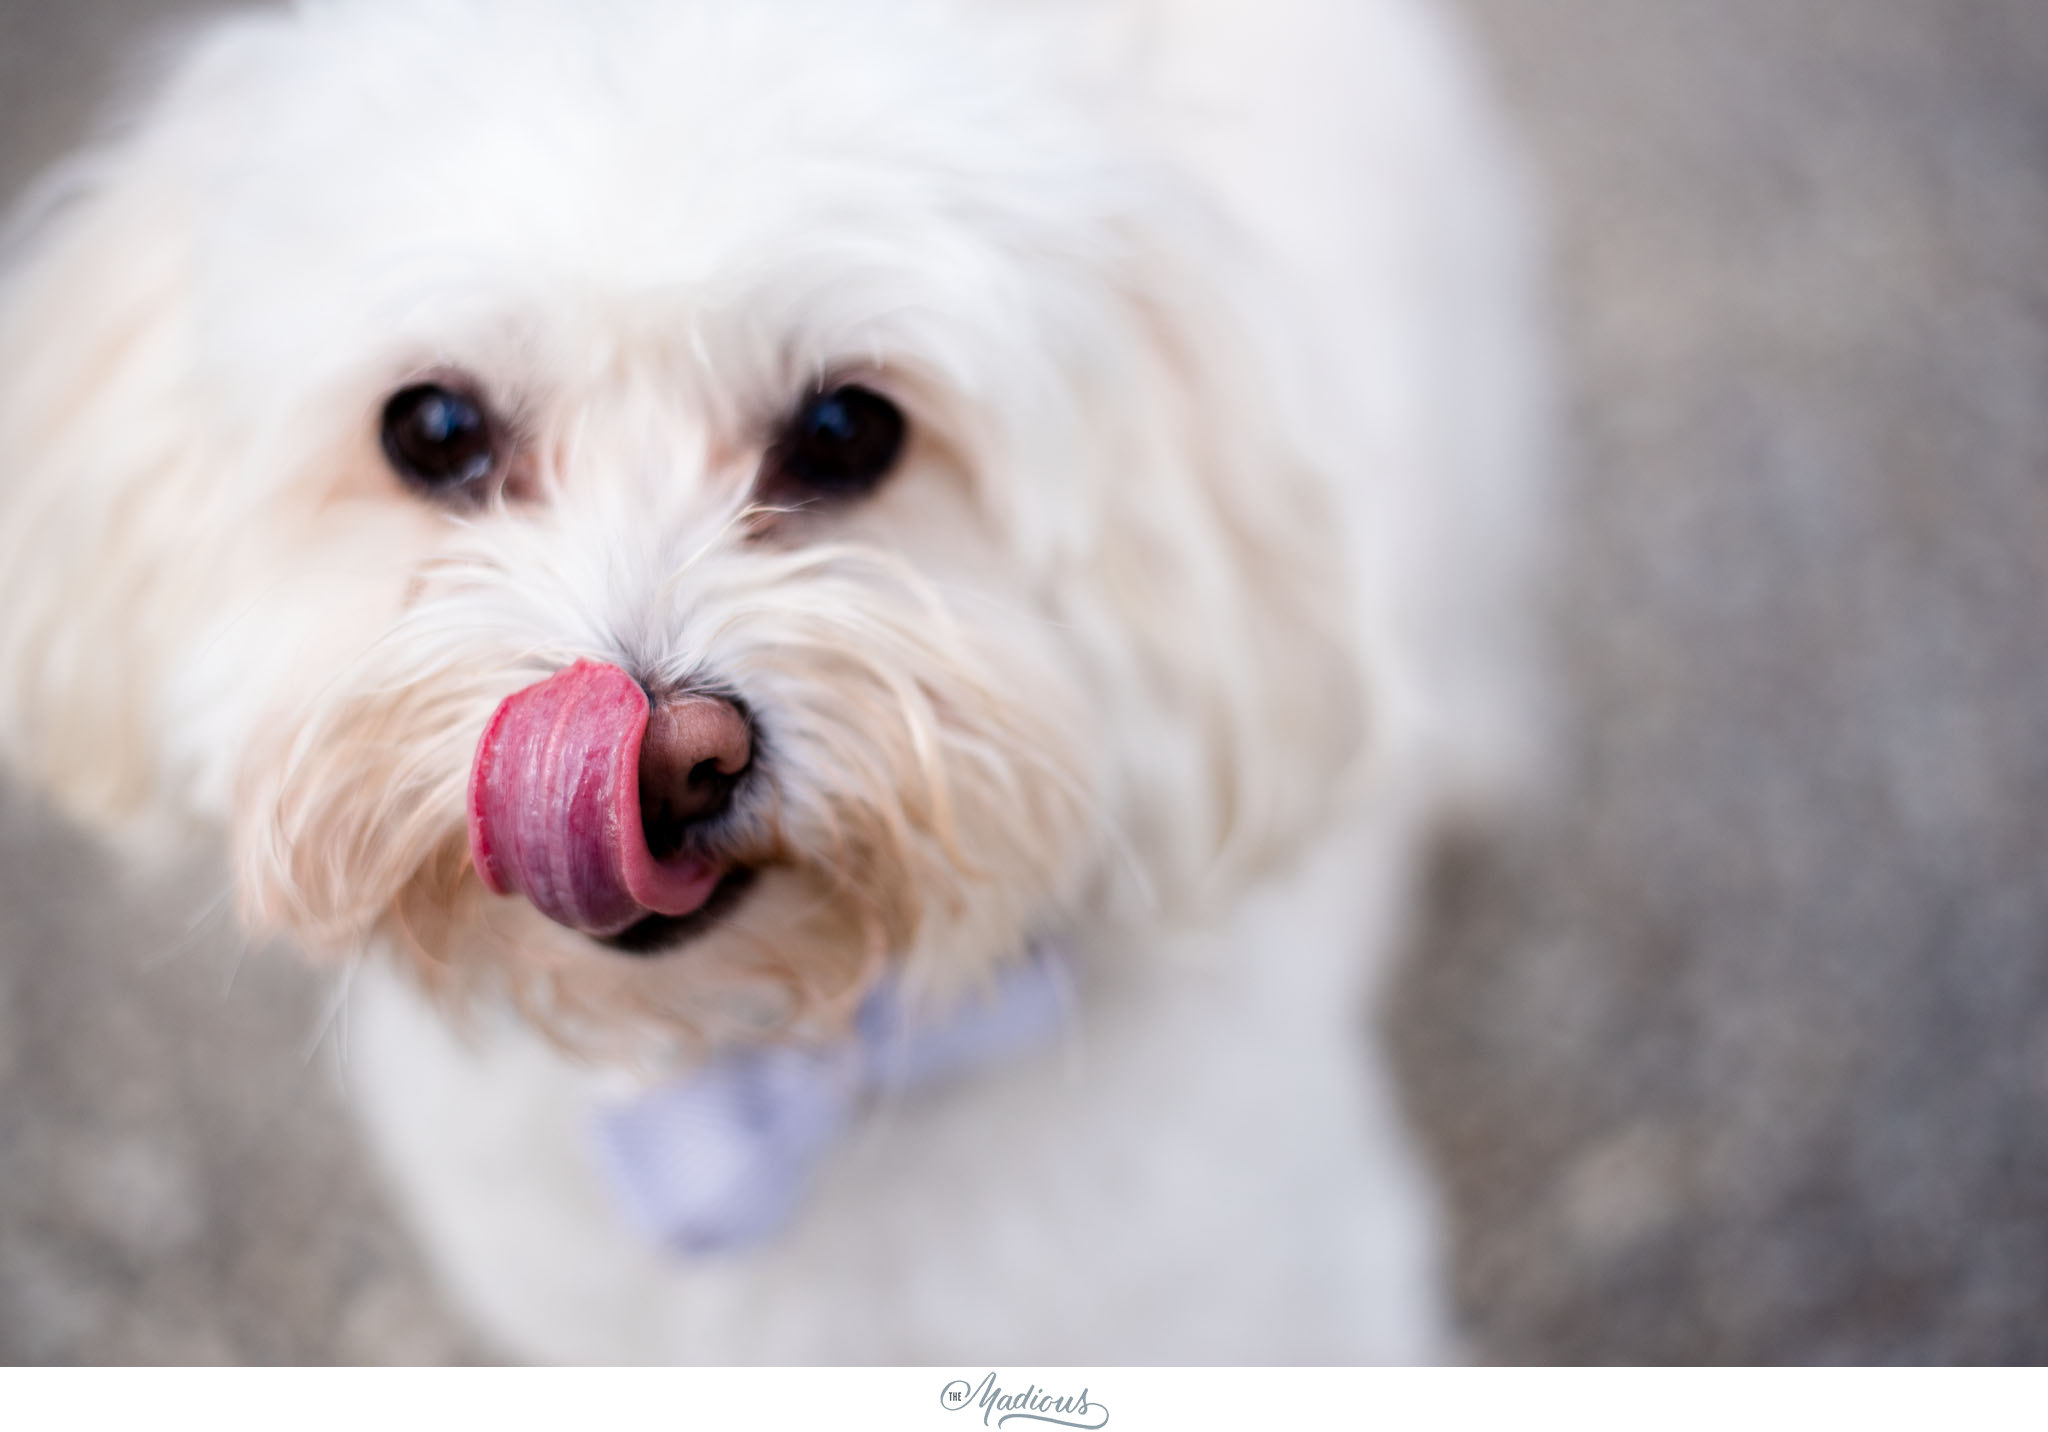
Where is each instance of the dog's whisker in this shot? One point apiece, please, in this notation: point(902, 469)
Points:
point(331, 1007)
point(234, 967)
point(194, 933)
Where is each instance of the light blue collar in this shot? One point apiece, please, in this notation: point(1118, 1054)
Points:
point(722, 1157)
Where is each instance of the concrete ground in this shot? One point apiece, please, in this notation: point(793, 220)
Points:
point(1742, 1054)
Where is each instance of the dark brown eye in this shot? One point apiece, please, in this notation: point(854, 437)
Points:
point(840, 443)
point(439, 440)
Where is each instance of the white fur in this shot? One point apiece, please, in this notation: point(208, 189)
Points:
point(1200, 599)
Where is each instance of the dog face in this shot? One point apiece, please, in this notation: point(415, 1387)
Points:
point(660, 513)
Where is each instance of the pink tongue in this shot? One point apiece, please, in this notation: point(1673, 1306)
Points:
point(554, 806)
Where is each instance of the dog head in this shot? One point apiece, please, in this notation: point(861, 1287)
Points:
point(660, 512)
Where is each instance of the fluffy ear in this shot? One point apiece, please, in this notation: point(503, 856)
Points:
point(98, 464)
point(1222, 554)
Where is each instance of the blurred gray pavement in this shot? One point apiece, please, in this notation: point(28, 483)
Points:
point(1744, 1056)
point(1741, 1055)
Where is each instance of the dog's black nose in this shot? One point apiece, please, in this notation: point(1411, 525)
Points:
point(696, 751)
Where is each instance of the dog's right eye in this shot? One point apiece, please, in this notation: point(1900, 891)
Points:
point(440, 441)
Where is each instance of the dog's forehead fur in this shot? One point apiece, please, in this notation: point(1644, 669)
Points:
point(408, 179)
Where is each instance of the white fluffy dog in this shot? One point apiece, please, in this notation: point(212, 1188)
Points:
point(646, 523)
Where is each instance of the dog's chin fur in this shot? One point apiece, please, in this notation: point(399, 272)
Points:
point(1208, 320)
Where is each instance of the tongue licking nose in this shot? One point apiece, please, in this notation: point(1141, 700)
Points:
point(579, 801)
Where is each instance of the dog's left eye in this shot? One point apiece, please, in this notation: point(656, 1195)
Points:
point(840, 443)
point(439, 440)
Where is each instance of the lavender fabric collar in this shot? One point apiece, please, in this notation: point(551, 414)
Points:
point(722, 1157)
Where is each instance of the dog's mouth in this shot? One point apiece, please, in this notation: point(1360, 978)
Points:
point(658, 934)
point(555, 815)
